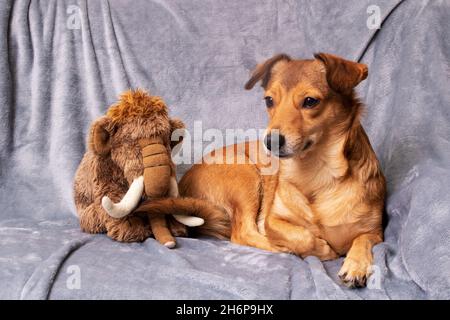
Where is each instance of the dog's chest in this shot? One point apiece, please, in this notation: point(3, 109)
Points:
point(333, 213)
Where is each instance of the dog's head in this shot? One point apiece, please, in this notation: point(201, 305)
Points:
point(307, 100)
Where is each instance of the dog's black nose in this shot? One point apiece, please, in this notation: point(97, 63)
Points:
point(272, 140)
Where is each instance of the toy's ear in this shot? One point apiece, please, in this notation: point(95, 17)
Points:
point(342, 75)
point(176, 132)
point(100, 136)
point(263, 71)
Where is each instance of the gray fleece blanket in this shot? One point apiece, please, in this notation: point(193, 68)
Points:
point(62, 63)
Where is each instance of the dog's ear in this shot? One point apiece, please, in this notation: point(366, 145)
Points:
point(176, 132)
point(342, 75)
point(263, 71)
point(100, 136)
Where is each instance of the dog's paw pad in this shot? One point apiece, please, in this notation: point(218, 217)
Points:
point(353, 282)
point(354, 274)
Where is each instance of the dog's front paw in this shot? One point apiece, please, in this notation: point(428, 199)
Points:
point(323, 251)
point(354, 273)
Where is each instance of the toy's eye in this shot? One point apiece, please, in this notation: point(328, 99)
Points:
point(269, 101)
point(309, 103)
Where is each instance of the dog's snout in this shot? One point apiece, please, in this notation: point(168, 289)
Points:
point(274, 140)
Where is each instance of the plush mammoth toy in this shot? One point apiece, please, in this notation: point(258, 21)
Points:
point(128, 160)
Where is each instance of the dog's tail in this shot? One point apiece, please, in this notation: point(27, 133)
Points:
point(217, 222)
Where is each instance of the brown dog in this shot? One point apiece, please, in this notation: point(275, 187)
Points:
point(327, 197)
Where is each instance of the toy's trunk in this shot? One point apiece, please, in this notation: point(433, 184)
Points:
point(157, 169)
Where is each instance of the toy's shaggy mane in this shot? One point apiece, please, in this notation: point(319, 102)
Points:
point(136, 103)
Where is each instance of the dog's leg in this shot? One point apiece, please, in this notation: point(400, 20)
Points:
point(358, 263)
point(296, 239)
point(245, 231)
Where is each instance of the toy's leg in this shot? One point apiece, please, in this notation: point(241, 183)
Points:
point(176, 228)
point(132, 228)
point(160, 230)
point(92, 220)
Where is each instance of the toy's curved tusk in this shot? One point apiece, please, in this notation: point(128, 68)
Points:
point(129, 201)
point(189, 220)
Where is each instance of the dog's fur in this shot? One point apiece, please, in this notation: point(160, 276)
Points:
point(327, 197)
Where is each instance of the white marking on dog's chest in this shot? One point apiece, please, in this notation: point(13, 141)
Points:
point(291, 204)
point(334, 208)
point(325, 201)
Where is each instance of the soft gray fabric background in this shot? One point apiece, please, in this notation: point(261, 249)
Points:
point(197, 54)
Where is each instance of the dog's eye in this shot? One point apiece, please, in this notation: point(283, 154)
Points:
point(269, 101)
point(309, 102)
